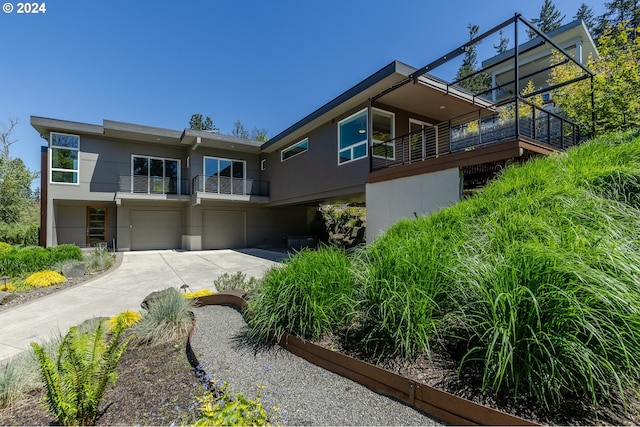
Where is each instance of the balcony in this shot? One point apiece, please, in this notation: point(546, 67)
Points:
point(229, 188)
point(512, 121)
point(152, 188)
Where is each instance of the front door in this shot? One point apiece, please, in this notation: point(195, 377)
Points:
point(97, 224)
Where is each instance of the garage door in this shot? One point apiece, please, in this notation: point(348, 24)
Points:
point(223, 229)
point(156, 230)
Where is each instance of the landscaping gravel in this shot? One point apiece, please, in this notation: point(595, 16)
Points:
point(303, 393)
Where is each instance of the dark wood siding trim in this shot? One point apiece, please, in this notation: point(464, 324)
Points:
point(44, 186)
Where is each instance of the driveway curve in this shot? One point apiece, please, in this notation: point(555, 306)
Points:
point(139, 274)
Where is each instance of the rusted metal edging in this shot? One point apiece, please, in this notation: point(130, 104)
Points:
point(444, 406)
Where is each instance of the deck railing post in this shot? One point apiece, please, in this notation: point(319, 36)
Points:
point(548, 128)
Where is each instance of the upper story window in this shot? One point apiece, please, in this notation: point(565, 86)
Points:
point(155, 175)
point(64, 156)
point(383, 134)
point(225, 176)
point(295, 149)
point(352, 137)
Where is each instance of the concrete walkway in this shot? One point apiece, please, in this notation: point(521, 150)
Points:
point(124, 288)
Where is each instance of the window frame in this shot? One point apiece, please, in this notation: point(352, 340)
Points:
point(391, 144)
point(164, 173)
point(232, 161)
point(292, 147)
point(358, 144)
point(76, 171)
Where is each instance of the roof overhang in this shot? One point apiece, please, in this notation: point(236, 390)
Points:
point(201, 138)
point(146, 134)
point(434, 99)
point(44, 126)
point(358, 95)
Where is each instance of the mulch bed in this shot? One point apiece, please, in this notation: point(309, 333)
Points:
point(156, 386)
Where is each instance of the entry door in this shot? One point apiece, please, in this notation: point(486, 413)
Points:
point(97, 225)
point(423, 141)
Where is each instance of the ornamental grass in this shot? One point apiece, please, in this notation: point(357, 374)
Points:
point(533, 284)
point(43, 279)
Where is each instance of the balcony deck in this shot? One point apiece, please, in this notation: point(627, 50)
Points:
point(511, 129)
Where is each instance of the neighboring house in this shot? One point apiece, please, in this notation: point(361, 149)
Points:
point(401, 141)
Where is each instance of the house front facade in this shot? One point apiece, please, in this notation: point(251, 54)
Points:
point(402, 141)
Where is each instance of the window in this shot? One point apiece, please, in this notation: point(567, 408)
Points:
point(224, 176)
point(64, 158)
point(154, 175)
point(383, 134)
point(295, 149)
point(352, 137)
point(263, 164)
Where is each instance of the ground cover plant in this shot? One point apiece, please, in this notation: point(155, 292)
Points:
point(532, 284)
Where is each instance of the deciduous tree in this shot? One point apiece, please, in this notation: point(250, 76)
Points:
point(616, 84)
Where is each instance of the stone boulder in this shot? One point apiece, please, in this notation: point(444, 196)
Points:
point(153, 296)
point(74, 269)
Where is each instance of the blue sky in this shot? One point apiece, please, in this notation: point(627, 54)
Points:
point(267, 63)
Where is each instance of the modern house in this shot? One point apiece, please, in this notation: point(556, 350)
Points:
point(402, 141)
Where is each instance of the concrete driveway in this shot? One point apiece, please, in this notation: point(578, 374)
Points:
point(124, 288)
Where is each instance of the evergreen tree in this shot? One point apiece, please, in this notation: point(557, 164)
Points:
point(586, 14)
point(620, 14)
point(196, 122)
point(239, 130)
point(502, 45)
point(549, 19)
point(480, 82)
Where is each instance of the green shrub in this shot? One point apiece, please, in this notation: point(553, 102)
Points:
point(17, 234)
point(86, 364)
point(228, 282)
point(168, 317)
point(310, 295)
point(5, 248)
point(30, 259)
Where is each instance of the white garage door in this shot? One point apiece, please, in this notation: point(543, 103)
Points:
point(223, 229)
point(156, 230)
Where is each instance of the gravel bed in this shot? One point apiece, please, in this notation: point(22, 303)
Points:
point(303, 393)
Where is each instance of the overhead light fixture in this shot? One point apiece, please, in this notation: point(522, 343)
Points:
point(362, 131)
point(442, 107)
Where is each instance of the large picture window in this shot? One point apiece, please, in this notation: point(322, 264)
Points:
point(352, 137)
point(383, 134)
point(65, 151)
point(154, 175)
point(224, 176)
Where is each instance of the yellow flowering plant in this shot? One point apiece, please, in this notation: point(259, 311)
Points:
point(45, 278)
